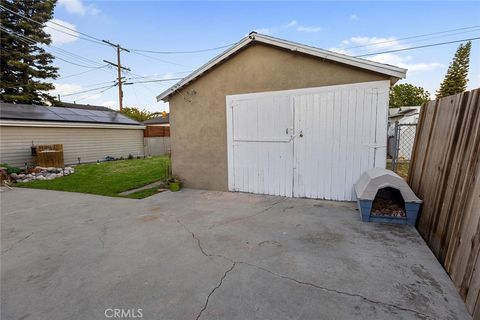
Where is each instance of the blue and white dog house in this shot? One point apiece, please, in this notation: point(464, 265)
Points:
point(385, 183)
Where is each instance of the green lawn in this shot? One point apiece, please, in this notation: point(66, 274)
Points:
point(109, 178)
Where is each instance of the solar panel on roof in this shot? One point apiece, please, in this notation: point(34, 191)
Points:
point(77, 118)
point(81, 112)
point(41, 113)
point(63, 111)
point(28, 113)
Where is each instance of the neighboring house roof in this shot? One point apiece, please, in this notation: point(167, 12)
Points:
point(403, 111)
point(27, 112)
point(402, 115)
point(254, 37)
point(158, 120)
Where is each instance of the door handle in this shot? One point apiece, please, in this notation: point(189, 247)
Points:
point(299, 134)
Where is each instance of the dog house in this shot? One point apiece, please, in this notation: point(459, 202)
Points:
point(383, 196)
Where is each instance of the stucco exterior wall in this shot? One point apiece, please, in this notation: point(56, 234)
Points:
point(90, 144)
point(198, 111)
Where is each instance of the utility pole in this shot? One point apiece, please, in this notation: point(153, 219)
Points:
point(119, 71)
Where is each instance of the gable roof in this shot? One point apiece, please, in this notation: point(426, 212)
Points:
point(382, 68)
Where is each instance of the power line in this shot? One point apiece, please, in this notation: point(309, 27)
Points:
point(80, 73)
point(160, 75)
point(147, 81)
point(89, 96)
point(99, 83)
point(77, 35)
point(76, 56)
point(141, 84)
point(416, 36)
point(161, 60)
point(30, 41)
point(77, 64)
point(360, 46)
point(406, 45)
point(57, 51)
point(418, 47)
point(89, 90)
point(183, 52)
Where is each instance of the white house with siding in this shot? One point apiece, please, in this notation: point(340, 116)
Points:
point(88, 133)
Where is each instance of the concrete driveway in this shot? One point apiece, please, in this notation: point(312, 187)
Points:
point(211, 255)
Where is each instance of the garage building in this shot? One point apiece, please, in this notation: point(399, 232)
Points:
point(88, 133)
point(271, 116)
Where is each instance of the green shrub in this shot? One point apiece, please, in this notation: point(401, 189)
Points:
point(16, 170)
point(11, 169)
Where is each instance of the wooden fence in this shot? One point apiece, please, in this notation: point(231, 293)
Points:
point(445, 173)
point(157, 131)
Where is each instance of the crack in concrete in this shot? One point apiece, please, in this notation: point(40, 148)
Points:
point(199, 244)
point(102, 236)
point(250, 216)
point(326, 289)
point(205, 306)
point(356, 295)
point(14, 244)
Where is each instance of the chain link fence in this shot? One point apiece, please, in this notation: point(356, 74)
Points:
point(402, 146)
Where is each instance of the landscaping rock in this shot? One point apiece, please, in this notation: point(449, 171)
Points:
point(41, 173)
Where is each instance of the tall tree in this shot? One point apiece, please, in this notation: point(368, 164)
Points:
point(24, 64)
point(457, 74)
point(406, 94)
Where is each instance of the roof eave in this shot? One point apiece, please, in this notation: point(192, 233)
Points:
point(222, 56)
point(392, 71)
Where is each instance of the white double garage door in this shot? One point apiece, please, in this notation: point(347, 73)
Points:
point(313, 142)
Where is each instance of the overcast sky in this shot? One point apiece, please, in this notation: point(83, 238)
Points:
point(186, 26)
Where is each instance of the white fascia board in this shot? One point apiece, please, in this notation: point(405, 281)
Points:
point(324, 54)
point(222, 56)
point(51, 124)
point(334, 56)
